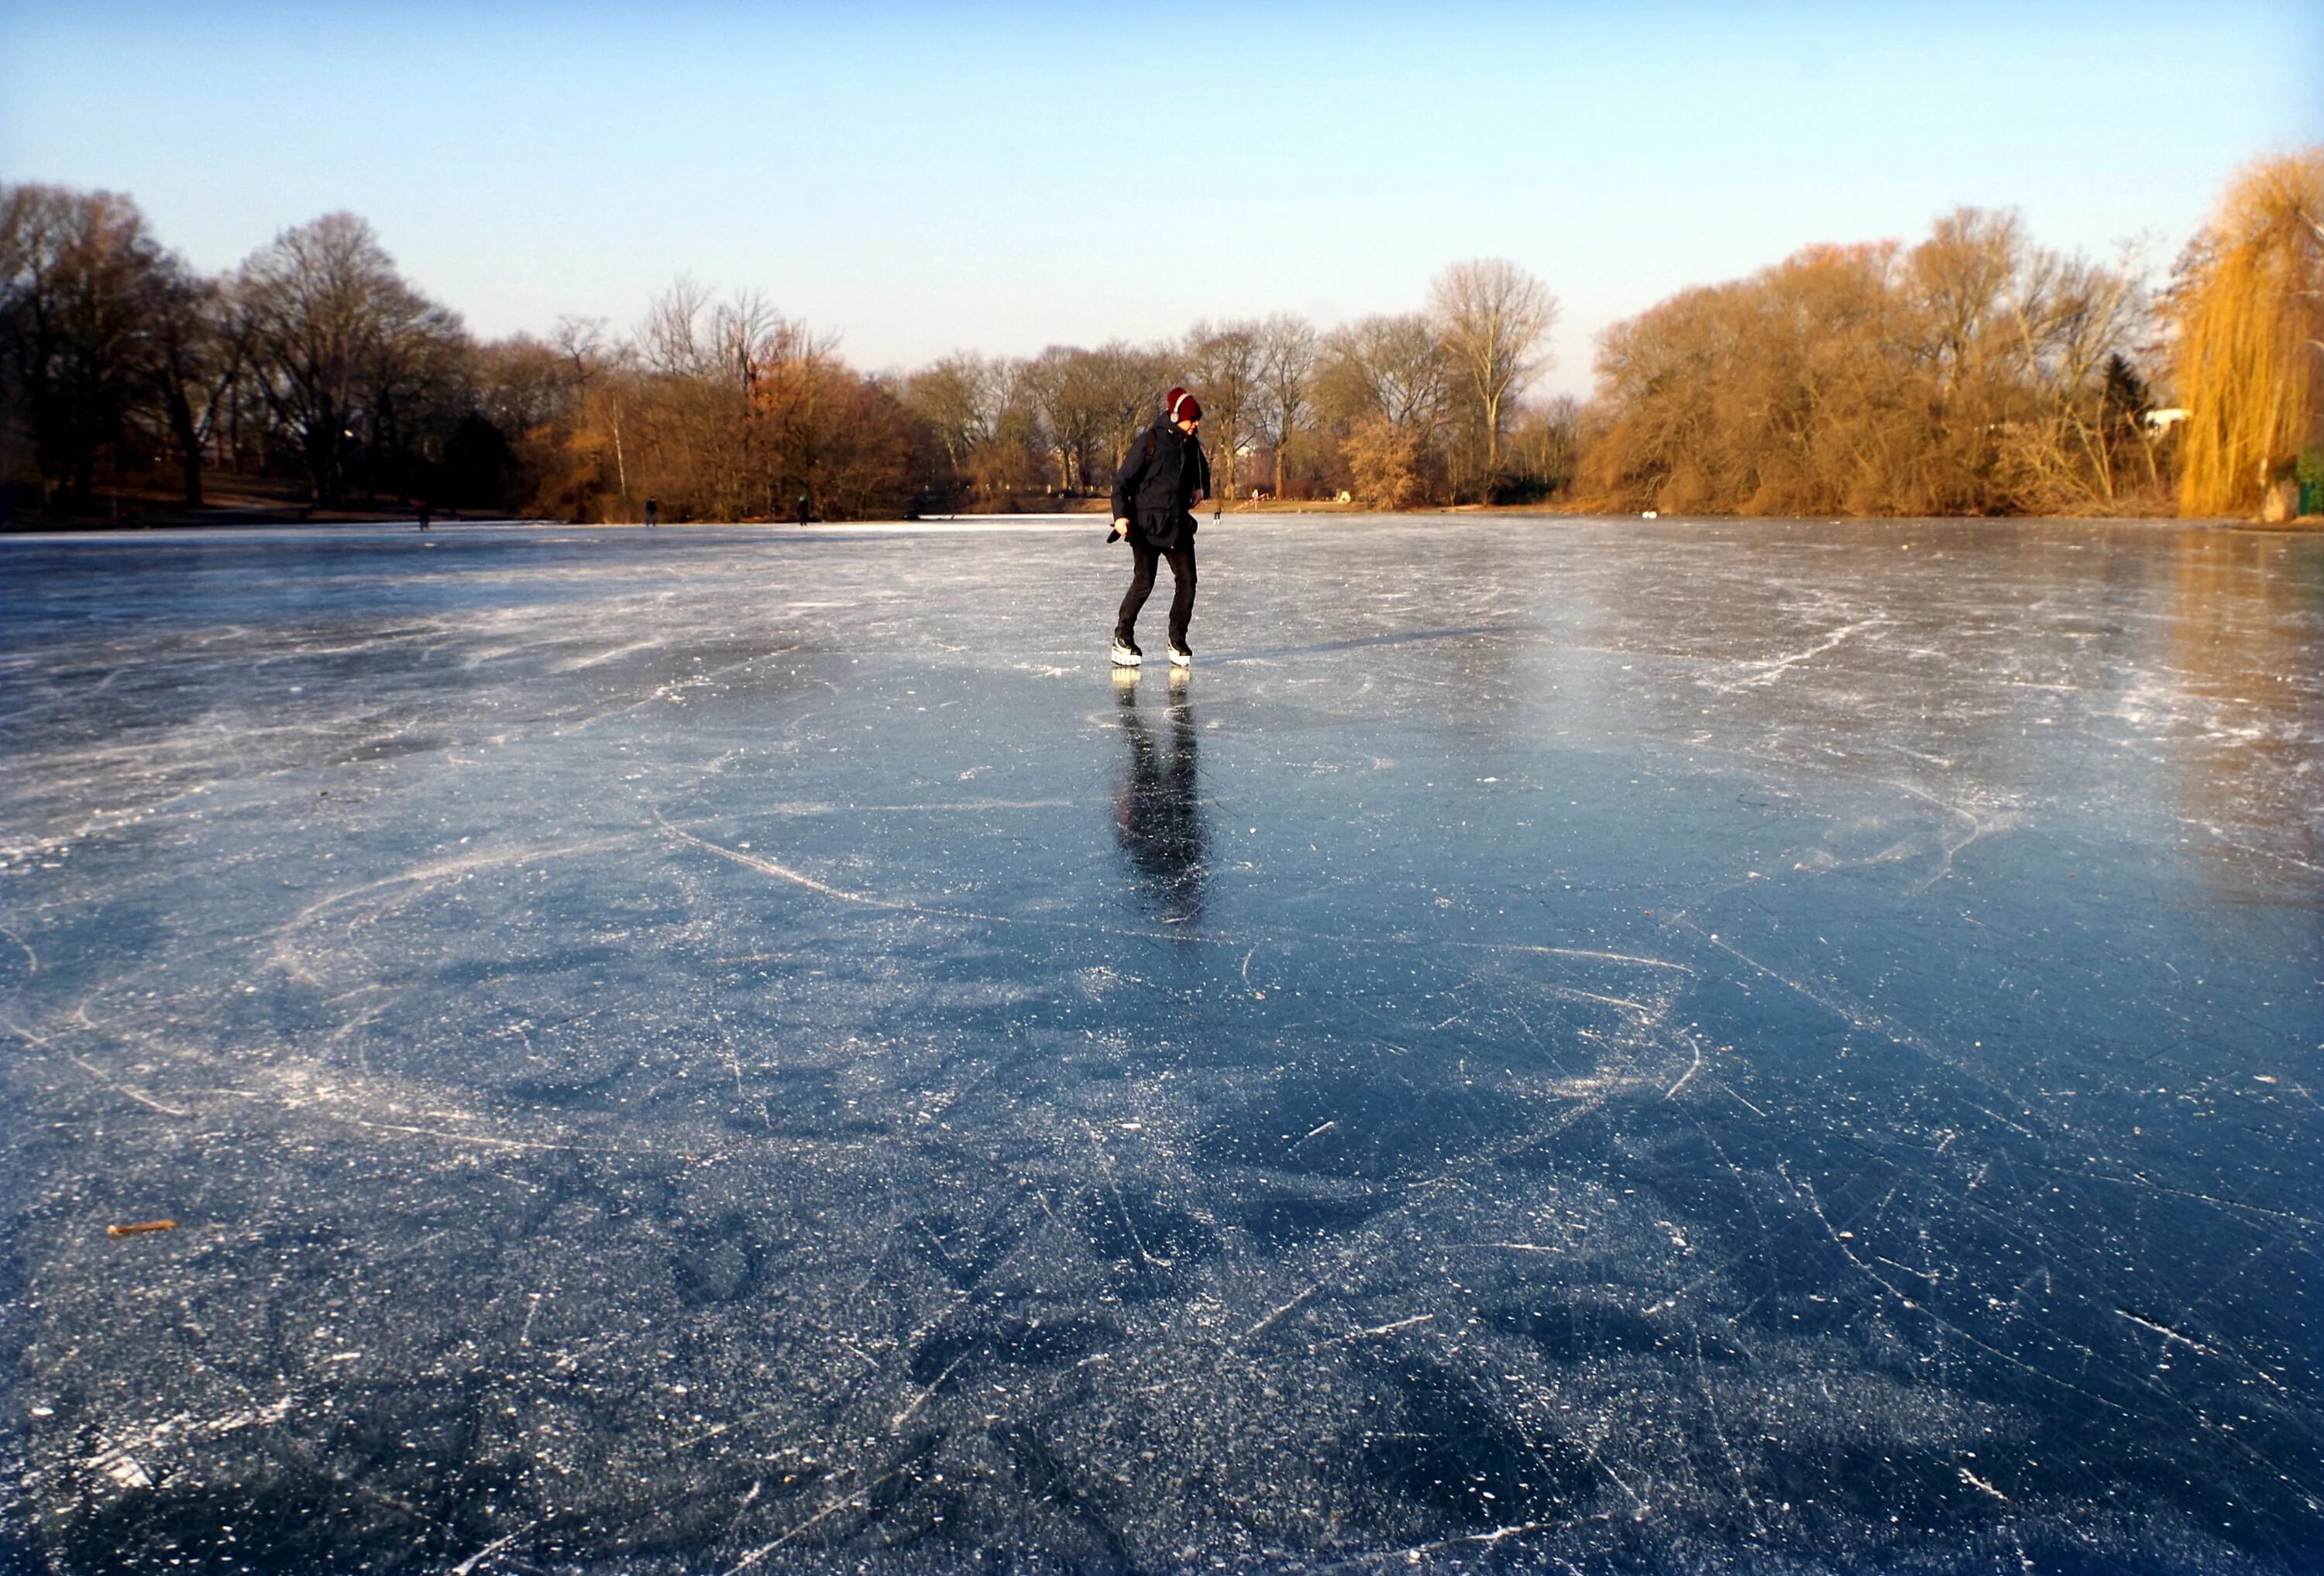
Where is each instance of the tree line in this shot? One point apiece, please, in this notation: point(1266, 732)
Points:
point(1974, 372)
point(315, 360)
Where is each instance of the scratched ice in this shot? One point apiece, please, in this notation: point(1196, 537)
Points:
point(1564, 1045)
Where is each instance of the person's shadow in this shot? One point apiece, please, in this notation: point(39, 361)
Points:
point(1158, 810)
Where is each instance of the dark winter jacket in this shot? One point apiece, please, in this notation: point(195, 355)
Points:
point(1164, 472)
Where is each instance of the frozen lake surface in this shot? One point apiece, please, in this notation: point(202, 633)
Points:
point(1564, 1045)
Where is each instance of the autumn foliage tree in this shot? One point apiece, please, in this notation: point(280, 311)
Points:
point(1974, 372)
point(1383, 389)
point(727, 410)
point(2249, 316)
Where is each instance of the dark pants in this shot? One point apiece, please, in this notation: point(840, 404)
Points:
point(1142, 584)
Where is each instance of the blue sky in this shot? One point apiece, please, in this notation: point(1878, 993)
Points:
point(920, 178)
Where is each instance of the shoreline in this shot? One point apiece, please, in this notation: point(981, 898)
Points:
point(402, 525)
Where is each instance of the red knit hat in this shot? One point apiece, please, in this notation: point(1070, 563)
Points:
point(1183, 406)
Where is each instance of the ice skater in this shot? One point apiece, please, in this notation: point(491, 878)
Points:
point(1165, 475)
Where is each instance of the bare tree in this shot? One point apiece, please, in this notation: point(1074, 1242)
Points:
point(950, 396)
point(194, 357)
point(1224, 367)
point(2073, 326)
point(78, 276)
point(1961, 275)
point(1081, 396)
point(1287, 378)
point(1545, 445)
point(751, 337)
point(1129, 381)
point(672, 337)
point(1491, 314)
point(796, 420)
point(1006, 459)
point(340, 342)
point(1392, 368)
point(598, 413)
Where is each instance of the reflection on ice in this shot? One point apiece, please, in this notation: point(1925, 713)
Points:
point(1158, 810)
point(1587, 1046)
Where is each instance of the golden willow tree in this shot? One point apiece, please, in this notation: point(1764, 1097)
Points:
point(2250, 311)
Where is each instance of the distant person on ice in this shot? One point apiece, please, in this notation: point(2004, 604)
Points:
point(1165, 475)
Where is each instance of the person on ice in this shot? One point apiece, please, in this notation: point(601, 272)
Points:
point(1165, 475)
